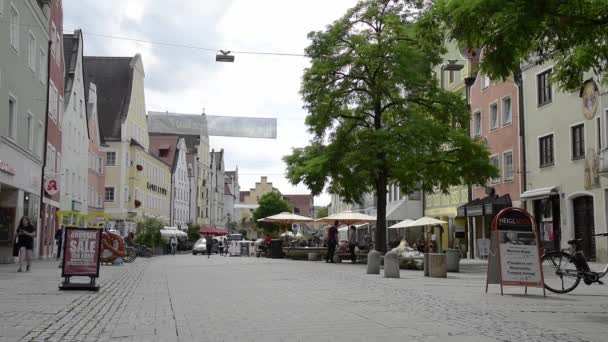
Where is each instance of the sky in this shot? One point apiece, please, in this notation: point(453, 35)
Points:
point(189, 81)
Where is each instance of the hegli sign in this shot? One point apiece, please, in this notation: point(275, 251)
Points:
point(51, 186)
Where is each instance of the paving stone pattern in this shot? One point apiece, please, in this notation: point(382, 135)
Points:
point(192, 298)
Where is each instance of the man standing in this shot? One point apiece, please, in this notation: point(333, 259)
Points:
point(209, 243)
point(332, 241)
point(59, 241)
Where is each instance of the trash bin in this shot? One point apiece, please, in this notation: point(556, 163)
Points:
point(453, 256)
point(276, 249)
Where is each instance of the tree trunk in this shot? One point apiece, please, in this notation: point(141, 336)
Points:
point(381, 213)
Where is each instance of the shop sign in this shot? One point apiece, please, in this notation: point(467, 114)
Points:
point(51, 186)
point(514, 255)
point(475, 210)
point(483, 246)
point(80, 257)
point(6, 167)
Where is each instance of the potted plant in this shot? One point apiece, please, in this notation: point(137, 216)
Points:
point(139, 167)
point(137, 203)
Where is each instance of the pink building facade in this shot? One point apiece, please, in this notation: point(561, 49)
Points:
point(52, 171)
point(96, 176)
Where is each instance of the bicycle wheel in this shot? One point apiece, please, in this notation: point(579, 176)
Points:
point(560, 272)
point(130, 255)
point(147, 253)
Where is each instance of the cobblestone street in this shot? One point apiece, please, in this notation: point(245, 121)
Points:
point(192, 298)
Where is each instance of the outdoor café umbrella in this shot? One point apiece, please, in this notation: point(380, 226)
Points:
point(285, 218)
point(403, 224)
point(427, 221)
point(347, 217)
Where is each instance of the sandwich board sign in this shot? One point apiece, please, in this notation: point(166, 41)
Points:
point(81, 250)
point(514, 255)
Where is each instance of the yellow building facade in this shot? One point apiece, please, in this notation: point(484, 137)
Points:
point(137, 183)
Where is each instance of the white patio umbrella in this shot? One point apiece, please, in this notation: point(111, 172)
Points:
point(427, 221)
point(286, 218)
point(403, 224)
point(347, 217)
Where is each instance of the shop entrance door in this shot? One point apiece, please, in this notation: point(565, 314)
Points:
point(584, 226)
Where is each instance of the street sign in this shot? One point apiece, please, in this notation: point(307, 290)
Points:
point(81, 250)
point(51, 186)
point(514, 254)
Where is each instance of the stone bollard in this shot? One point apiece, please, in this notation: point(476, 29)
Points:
point(373, 262)
point(391, 265)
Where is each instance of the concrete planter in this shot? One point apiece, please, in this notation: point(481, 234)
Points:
point(453, 260)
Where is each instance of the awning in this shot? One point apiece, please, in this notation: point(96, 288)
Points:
point(211, 230)
point(539, 193)
point(489, 205)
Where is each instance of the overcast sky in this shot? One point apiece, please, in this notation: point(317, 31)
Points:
point(188, 80)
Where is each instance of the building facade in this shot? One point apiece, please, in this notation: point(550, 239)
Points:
point(75, 137)
point(495, 119)
point(138, 183)
point(96, 176)
point(232, 190)
point(24, 37)
point(218, 216)
point(172, 150)
point(53, 171)
point(249, 202)
point(566, 188)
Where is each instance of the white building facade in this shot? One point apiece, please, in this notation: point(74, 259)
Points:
point(181, 188)
point(75, 137)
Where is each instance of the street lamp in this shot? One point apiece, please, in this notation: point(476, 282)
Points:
point(451, 66)
point(224, 56)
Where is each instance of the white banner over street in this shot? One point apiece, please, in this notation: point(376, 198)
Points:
point(225, 126)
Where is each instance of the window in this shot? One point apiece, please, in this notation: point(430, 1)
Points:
point(31, 53)
point(30, 132)
point(507, 165)
point(100, 162)
point(125, 194)
point(58, 162)
point(545, 145)
point(111, 158)
point(58, 44)
point(39, 137)
point(42, 66)
point(543, 83)
point(493, 116)
point(53, 102)
point(52, 38)
point(494, 160)
point(48, 166)
point(81, 108)
point(578, 141)
point(67, 181)
point(477, 124)
point(14, 28)
point(60, 111)
point(12, 117)
point(599, 133)
point(53, 160)
point(507, 117)
point(109, 194)
point(485, 81)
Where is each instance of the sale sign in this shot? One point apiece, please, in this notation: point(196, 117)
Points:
point(81, 252)
point(514, 250)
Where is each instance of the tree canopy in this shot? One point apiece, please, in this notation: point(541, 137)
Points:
point(270, 204)
point(322, 212)
point(570, 33)
point(378, 115)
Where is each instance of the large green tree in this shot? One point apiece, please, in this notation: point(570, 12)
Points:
point(270, 204)
point(377, 113)
point(570, 32)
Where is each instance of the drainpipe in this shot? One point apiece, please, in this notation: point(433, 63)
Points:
point(469, 83)
point(522, 130)
point(46, 127)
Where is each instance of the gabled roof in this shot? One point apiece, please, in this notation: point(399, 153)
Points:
point(164, 142)
point(114, 78)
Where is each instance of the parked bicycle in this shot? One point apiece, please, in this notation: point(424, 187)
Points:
point(564, 270)
point(130, 254)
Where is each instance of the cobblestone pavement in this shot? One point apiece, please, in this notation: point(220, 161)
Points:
point(192, 298)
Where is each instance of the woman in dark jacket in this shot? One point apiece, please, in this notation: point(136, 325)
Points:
point(26, 234)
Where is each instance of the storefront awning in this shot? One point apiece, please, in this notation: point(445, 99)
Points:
point(539, 193)
point(489, 205)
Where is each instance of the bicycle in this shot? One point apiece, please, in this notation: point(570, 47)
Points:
point(563, 271)
point(130, 254)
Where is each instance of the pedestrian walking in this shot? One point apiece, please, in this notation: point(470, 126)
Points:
point(59, 241)
point(173, 245)
point(352, 243)
point(332, 241)
point(209, 243)
point(26, 234)
point(221, 247)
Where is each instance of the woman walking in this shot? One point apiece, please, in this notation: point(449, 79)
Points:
point(26, 234)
